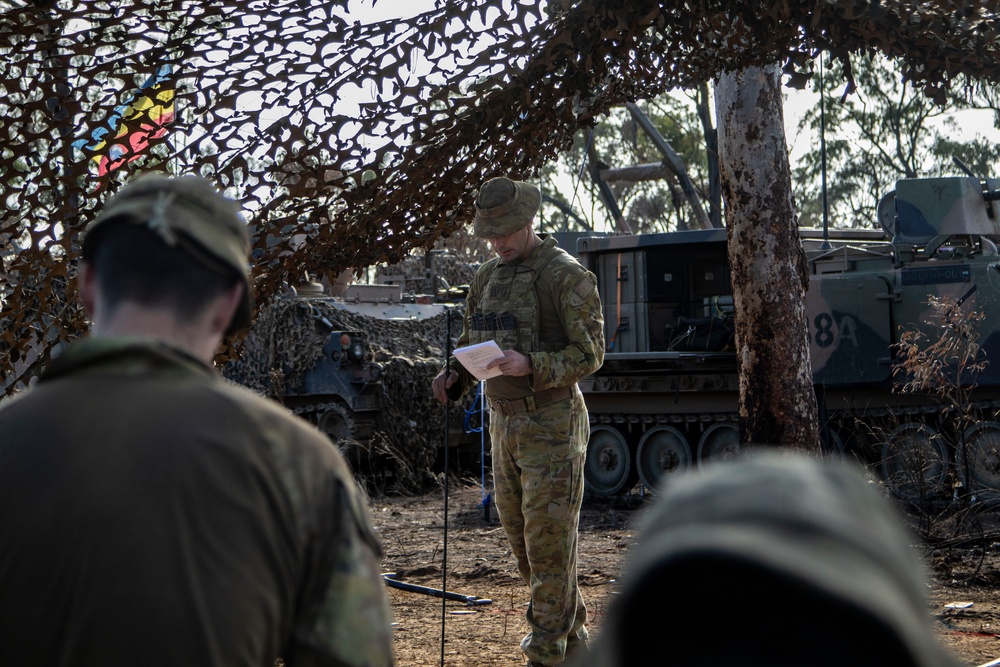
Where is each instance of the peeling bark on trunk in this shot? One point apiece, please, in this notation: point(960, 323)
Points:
point(777, 403)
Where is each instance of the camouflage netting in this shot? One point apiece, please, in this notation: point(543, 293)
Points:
point(352, 143)
point(445, 270)
point(285, 342)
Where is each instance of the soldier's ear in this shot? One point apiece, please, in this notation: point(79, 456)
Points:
point(87, 286)
point(225, 307)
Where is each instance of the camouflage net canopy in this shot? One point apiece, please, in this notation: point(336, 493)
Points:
point(441, 271)
point(355, 143)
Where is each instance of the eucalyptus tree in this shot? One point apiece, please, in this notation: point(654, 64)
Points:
point(777, 404)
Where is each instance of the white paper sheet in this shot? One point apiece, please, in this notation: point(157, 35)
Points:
point(476, 357)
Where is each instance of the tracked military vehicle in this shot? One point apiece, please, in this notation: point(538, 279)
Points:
point(666, 398)
point(359, 365)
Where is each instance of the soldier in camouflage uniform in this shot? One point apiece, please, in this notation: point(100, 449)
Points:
point(543, 310)
point(154, 514)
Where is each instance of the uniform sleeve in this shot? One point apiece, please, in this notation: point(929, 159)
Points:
point(352, 626)
point(344, 617)
point(341, 615)
point(582, 318)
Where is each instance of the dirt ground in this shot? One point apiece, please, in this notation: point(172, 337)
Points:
point(478, 563)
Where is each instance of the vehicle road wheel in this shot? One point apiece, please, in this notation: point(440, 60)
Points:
point(337, 423)
point(915, 463)
point(663, 453)
point(719, 442)
point(979, 464)
point(608, 469)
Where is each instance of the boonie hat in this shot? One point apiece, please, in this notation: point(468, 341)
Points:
point(504, 206)
point(186, 211)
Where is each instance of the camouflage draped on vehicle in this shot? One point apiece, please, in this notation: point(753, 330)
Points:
point(285, 343)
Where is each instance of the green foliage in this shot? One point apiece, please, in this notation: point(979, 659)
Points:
point(883, 131)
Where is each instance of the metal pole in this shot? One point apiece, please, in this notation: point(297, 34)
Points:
point(447, 428)
point(487, 498)
point(672, 160)
point(822, 151)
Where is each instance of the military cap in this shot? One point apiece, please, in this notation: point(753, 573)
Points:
point(186, 211)
point(504, 206)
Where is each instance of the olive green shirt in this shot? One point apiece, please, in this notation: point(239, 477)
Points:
point(152, 513)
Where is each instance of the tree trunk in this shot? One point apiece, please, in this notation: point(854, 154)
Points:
point(777, 400)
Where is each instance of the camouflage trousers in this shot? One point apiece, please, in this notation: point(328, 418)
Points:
point(538, 478)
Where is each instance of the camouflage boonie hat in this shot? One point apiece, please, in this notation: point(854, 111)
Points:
point(186, 211)
point(504, 206)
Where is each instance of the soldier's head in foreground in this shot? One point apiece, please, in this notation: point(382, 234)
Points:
point(169, 254)
point(778, 560)
point(505, 211)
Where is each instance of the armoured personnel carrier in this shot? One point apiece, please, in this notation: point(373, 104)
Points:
point(359, 366)
point(666, 398)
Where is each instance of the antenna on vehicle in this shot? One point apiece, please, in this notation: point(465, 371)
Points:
point(825, 245)
point(964, 167)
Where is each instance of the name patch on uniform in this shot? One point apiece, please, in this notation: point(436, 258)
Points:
point(584, 290)
point(492, 322)
point(500, 291)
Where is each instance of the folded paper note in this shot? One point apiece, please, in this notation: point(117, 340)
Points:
point(477, 357)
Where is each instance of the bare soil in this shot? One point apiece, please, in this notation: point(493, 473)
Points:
point(471, 558)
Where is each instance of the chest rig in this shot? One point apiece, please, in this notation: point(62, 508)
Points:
point(508, 310)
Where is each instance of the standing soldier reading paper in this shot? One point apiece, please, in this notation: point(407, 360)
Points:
point(543, 310)
point(154, 514)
